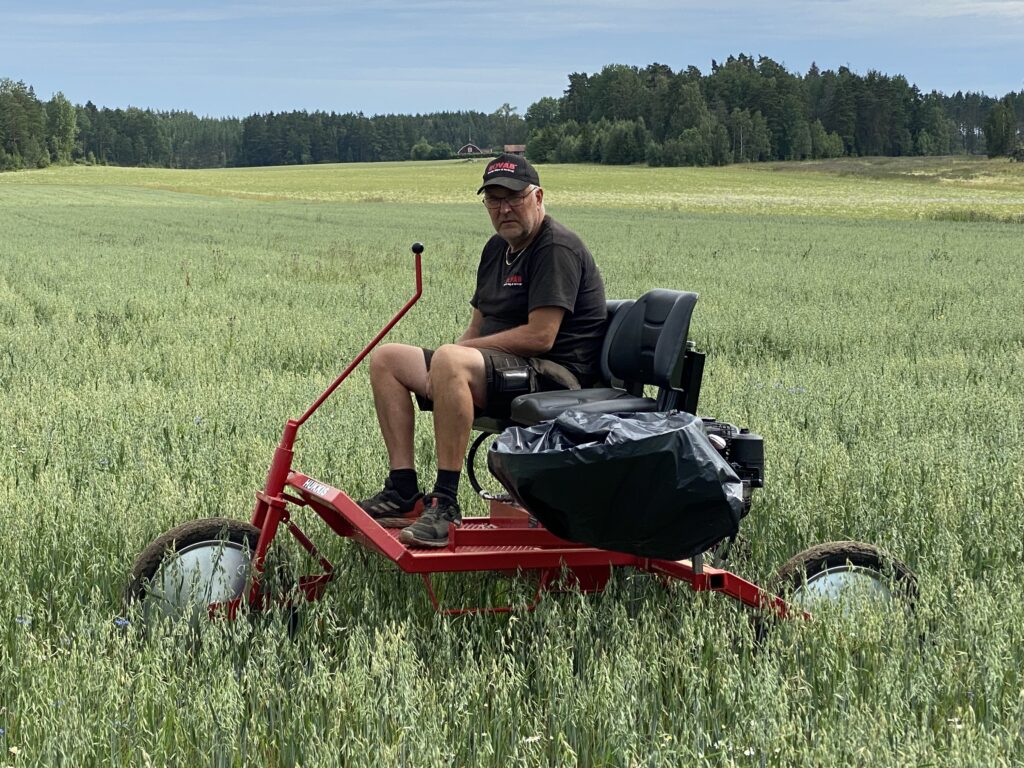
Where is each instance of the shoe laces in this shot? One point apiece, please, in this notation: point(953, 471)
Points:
point(436, 505)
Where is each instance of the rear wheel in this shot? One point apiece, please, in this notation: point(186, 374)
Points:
point(844, 572)
point(191, 566)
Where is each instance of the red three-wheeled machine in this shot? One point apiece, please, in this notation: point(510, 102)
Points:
point(218, 567)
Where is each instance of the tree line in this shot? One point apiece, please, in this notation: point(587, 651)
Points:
point(743, 110)
point(748, 110)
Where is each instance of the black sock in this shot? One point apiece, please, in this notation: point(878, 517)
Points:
point(404, 481)
point(448, 483)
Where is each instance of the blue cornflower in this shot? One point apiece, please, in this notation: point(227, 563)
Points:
point(121, 621)
point(23, 620)
point(199, 420)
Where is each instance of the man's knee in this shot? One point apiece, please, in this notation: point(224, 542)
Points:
point(455, 365)
point(401, 362)
point(454, 361)
point(383, 358)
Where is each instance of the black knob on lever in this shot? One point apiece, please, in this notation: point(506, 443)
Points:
point(417, 248)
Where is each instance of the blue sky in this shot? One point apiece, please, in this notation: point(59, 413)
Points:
point(237, 58)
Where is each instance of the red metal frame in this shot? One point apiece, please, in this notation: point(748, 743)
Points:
point(501, 542)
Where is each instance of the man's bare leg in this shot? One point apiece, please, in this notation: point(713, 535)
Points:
point(396, 371)
point(457, 382)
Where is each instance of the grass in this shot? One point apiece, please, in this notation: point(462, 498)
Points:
point(867, 188)
point(158, 327)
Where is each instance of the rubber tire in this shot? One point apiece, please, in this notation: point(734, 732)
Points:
point(152, 557)
point(805, 565)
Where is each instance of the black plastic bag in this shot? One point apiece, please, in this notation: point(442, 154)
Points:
point(650, 484)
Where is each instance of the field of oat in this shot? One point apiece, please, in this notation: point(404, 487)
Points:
point(157, 328)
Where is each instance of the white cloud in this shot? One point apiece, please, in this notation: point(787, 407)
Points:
point(133, 15)
point(953, 9)
point(539, 19)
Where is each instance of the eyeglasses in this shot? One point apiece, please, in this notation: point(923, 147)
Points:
point(494, 203)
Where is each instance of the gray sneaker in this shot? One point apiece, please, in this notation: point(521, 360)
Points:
point(391, 510)
point(431, 530)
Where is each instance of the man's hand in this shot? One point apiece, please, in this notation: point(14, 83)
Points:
point(530, 340)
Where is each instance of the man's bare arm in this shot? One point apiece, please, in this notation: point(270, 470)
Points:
point(473, 330)
point(534, 338)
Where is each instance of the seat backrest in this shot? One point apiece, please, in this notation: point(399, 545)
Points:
point(646, 342)
point(616, 314)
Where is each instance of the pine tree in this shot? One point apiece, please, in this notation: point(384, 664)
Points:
point(1001, 130)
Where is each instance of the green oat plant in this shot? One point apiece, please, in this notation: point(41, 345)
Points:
point(158, 327)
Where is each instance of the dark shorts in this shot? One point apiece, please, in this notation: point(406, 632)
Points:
point(508, 377)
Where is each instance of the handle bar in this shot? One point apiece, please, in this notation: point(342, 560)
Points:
point(417, 249)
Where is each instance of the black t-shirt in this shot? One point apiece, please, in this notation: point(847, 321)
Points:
point(555, 270)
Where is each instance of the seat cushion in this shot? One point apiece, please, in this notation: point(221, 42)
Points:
point(543, 406)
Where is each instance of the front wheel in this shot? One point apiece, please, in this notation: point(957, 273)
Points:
point(844, 572)
point(191, 566)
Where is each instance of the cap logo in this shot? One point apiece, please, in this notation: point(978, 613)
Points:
point(509, 171)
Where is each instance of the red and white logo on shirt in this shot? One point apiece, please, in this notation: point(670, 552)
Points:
point(513, 281)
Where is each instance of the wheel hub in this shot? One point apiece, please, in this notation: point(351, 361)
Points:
point(844, 584)
point(197, 575)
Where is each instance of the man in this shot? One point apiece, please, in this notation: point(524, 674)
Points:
point(537, 324)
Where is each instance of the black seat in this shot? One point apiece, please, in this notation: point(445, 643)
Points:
point(610, 386)
point(645, 344)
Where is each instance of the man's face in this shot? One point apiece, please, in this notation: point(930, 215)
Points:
point(517, 215)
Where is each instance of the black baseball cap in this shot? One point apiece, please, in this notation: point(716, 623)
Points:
point(509, 171)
